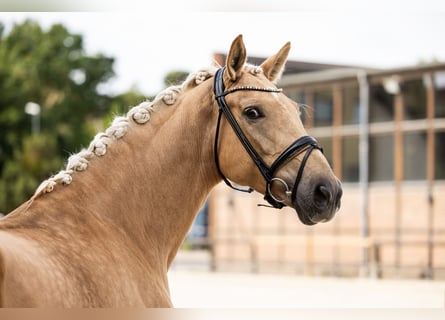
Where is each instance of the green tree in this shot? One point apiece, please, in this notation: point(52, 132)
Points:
point(175, 78)
point(28, 167)
point(50, 68)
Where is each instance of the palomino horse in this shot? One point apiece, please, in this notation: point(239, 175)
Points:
point(104, 231)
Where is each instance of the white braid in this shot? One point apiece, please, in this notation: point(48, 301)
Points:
point(169, 95)
point(63, 177)
point(79, 161)
point(202, 76)
point(118, 128)
point(139, 114)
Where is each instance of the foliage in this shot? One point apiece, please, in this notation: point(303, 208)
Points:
point(175, 78)
point(51, 69)
point(28, 166)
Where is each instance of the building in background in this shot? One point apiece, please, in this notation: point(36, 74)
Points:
point(383, 132)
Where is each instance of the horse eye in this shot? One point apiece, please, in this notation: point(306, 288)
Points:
point(253, 113)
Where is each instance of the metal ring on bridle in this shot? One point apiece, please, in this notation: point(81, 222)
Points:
point(288, 192)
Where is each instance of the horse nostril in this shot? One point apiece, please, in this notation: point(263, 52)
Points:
point(322, 196)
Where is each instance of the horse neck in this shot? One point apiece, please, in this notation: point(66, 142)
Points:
point(152, 182)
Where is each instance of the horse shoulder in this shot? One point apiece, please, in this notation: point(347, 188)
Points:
point(20, 275)
point(99, 270)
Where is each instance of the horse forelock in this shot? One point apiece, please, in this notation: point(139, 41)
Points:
point(253, 69)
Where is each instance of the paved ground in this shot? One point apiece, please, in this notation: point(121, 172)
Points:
point(201, 289)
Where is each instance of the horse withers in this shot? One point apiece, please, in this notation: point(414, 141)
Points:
point(104, 231)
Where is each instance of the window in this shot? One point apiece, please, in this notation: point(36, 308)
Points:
point(350, 162)
point(350, 105)
point(414, 95)
point(381, 104)
point(381, 158)
point(414, 155)
point(323, 108)
point(440, 155)
point(439, 83)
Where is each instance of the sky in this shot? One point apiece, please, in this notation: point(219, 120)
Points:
point(150, 40)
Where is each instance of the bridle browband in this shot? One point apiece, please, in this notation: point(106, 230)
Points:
point(298, 146)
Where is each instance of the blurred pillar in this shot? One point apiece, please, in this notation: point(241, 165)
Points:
point(364, 166)
point(431, 144)
point(399, 166)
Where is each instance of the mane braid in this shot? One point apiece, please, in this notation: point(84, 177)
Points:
point(139, 115)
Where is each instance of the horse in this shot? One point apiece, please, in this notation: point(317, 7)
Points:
point(104, 231)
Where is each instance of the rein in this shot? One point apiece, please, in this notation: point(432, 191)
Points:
point(305, 143)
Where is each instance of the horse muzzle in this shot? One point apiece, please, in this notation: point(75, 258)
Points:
point(318, 202)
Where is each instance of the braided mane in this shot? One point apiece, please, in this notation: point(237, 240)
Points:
point(138, 115)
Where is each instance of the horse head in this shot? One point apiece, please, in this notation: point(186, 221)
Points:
point(261, 142)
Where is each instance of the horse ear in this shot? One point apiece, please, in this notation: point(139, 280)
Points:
point(273, 67)
point(236, 58)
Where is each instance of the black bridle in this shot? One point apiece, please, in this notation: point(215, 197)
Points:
point(298, 146)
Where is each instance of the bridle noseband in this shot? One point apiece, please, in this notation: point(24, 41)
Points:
point(298, 146)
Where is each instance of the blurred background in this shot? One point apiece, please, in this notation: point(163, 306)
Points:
point(372, 77)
